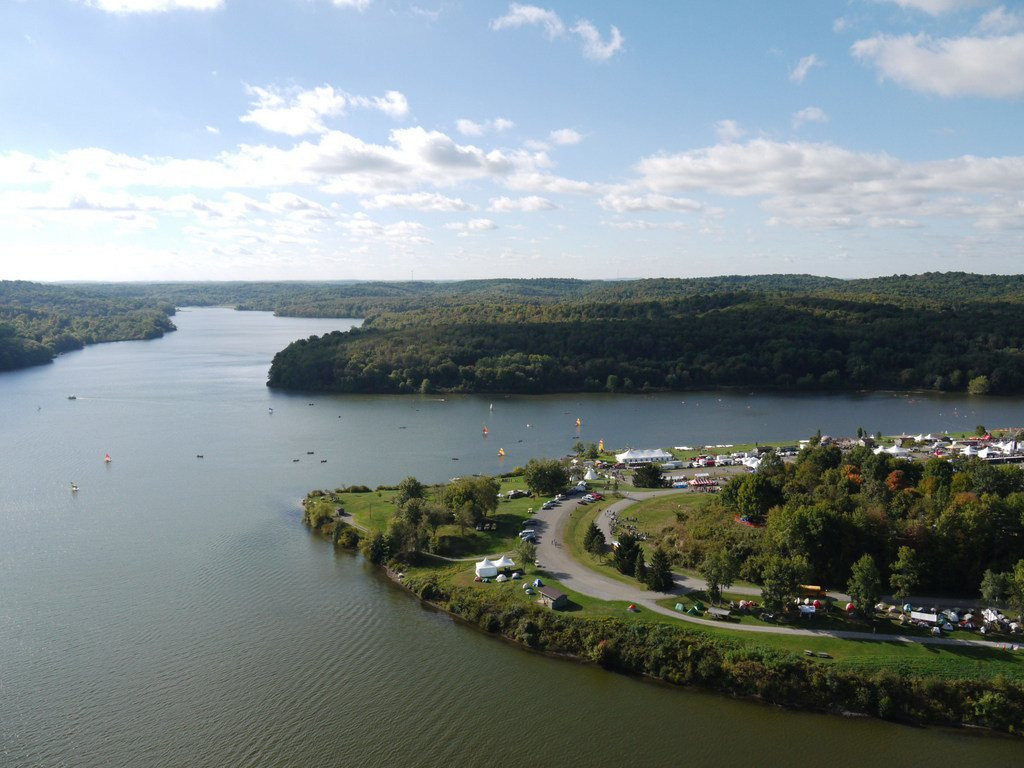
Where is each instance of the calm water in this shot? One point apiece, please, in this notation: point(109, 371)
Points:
point(174, 612)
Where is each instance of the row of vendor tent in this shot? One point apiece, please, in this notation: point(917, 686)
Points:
point(893, 450)
point(488, 568)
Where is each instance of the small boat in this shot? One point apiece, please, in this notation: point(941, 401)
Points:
point(501, 452)
point(323, 461)
point(309, 453)
point(74, 487)
point(485, 431)
point(107, 458)
point(72, 397)
point(199, 455)
point(294, 461)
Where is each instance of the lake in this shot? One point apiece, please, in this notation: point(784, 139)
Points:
point(174, 611)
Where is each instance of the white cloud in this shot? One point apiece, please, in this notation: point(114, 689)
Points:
point(419, 201)
point(393, 104)
point(293, 112)
point(153, 6)
point(1000, 21)
point(473, 225)
point(297, 112)
point(213, 129)
point(622, 202)
point(728, 130)
point(470, 128)
point(804, 184)
point(809, 115)
point(528, 204)
point(965, 66)
point(840, 25)
point(358, 5)
point(361, 227)
point(933, 7)
point(799, 72)
point(594, 47)
point(530, 15)
point(565, 136)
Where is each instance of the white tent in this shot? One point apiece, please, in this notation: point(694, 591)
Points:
point(504, 562)
point(486, 569)
point(591, 475)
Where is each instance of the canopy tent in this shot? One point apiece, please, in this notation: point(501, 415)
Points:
point(591, 475)
point(504, 562)
point(643, 456)
point(486, 569)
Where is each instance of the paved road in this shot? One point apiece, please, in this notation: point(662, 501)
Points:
point(554, 558)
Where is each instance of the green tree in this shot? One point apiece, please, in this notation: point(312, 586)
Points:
point(719, 569)
point(979, 385)
point(545, 477)
point(465, 517)
point(478, 494)
point(1015, 598)
point(375, 547)
point(781, 581)
point(756, 495)
point(904, 573)
point(865, 585)
point(640, 566)
point(648, 476)
point(659, 574)
point(624, 555)
point(995, 586)
point(409, 488)
point(526, 552)
point(593, 540)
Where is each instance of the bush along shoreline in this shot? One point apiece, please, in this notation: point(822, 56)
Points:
point(678, 655)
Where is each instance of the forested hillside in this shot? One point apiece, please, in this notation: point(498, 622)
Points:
point(40, 321)
point(949, 332)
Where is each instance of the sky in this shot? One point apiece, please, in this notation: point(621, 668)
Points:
point(458, 139)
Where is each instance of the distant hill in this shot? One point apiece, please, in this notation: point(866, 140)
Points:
point(786, 332)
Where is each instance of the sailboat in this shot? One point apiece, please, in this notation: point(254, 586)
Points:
point(74, 487)
point(107, 458)
point(485, 431)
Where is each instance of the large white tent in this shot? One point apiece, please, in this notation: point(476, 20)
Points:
point(486, 569)
point(644, 456)
point(504, 562)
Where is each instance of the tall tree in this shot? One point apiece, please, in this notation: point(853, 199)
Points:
point(865, 585)
point(593, 540)
point(625, 553)
point(719, 569)
point(640, 566)
point(409, 488)
point(780, 581)
point(648, 476)
point(659, 574)
point(904, 574)
point(995, 586)
point(545, 477)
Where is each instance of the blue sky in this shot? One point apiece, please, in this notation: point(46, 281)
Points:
point(446, 139)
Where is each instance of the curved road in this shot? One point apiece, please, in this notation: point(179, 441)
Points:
point(553, 557)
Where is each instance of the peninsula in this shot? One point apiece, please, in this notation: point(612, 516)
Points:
point(722, 588)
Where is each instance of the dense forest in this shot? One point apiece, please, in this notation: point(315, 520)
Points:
point(938, 525)
point(949, 332)
point(38, 321)
point(943, 331)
